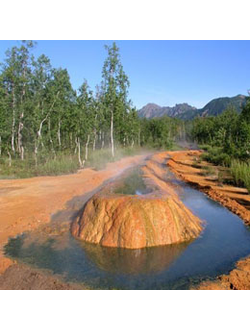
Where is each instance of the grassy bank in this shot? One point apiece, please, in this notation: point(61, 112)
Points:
point(47, 165)
point(241, 173)
point(239, 170)
point(63, 163)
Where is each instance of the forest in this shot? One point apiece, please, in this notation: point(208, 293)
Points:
point(47, 127)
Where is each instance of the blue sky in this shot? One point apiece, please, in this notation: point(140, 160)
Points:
point(163, 72)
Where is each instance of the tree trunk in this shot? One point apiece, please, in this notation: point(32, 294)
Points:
point(50, 138)
point(20, 125)
point(9, 158)
point(13, 120)
point(76, 147)
point(81, 163)
point(39, 132)
point(35, 152)
point(19, 136)
point(94, 140)
point(59, 133)
point(112, 134)
point(94, 133)
point(39, 137)
point(22, 152)
point(86, 148)
point(103, 139)
point(70, 141)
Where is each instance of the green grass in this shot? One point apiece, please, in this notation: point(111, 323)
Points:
point(238, 171)
point(241, 173)
point(63, 163)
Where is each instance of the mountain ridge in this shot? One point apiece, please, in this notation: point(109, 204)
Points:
point(186, 111)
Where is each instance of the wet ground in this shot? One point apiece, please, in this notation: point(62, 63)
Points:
point(26, 204)
point(224, 240)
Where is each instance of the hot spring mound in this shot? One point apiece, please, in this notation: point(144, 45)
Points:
point(134, 222)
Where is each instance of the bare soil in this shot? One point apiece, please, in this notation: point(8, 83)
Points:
point(22, 277)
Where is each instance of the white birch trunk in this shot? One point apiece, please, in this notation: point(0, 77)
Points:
point(13, 121)
point(86, 148)
point(112, 134)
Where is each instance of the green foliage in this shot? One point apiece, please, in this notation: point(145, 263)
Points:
point(224, 137)
point(159, 132)
point(46, 127)
point(217, 106)
point(216, 156)
point(227, 139)
point(241, 173)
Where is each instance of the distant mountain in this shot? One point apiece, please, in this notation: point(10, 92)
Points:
point(186, 111)
point(152, 110)
point(217, 106)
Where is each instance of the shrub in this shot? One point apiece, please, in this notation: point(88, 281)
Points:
point(241, 173)
point(216, 156)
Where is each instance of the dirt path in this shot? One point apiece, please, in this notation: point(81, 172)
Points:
point(27, 203)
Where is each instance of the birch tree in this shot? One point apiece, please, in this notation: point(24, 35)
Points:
point(115, 85)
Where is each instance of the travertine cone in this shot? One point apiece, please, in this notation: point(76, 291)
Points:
point(135, 222)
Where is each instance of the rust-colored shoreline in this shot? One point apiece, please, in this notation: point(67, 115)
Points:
point(181, 164)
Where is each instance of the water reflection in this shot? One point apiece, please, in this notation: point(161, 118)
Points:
point(64, 254)
point(139, 261)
